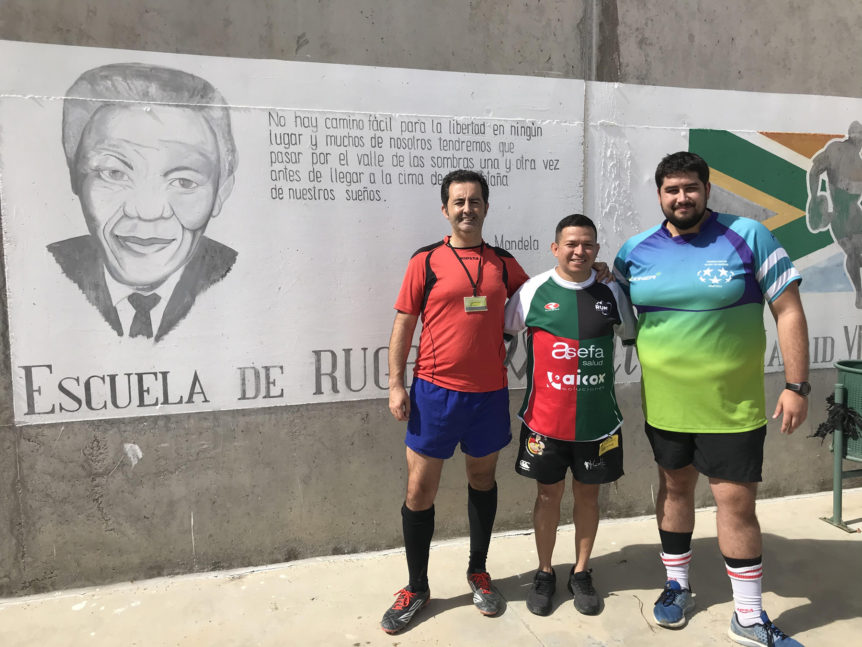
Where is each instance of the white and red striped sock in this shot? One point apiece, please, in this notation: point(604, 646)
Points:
point(747, 586)
point(677, 567)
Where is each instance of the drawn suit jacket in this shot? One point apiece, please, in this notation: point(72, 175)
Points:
point(81, 261)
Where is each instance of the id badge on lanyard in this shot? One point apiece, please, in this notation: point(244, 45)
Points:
point(477, 302)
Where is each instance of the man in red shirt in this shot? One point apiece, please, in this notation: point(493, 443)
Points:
point(458, 287)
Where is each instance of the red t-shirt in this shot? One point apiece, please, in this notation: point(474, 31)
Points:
point(459, 350)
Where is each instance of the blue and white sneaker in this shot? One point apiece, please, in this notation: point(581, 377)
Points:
point(760, 635)
point(672, 605)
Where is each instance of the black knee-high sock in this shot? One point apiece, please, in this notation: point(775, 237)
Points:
point(481, 510)
point(675, 543)
point(418, 528)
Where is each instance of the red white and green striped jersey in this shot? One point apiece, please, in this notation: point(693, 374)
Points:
point(570, 354)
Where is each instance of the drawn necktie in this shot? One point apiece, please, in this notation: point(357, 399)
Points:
point(142, 325)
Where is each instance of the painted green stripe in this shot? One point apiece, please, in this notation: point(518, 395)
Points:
point(758, 168)
point(798, 241)
point(748, 163)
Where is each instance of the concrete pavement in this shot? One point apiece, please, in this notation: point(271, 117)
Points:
point(812, 584)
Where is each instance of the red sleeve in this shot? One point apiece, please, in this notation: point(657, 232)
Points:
point(517, 275)
point(412, 287)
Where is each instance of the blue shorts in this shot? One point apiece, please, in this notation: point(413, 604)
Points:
point(440, 419)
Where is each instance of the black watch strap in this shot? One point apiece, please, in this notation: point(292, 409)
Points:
point(802, 388)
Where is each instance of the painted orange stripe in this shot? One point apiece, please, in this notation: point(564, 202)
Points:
point(807, 144)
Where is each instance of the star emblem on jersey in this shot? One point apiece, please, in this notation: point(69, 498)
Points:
point(552, 306)
point(714, 275)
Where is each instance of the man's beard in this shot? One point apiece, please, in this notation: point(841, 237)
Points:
point(686, 222)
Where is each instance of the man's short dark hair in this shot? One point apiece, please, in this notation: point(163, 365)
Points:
point(462, 175)
point(135, 83)
point(575, 220)
point(679, 163)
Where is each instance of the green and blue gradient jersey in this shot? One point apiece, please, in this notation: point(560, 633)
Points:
point(700, 338)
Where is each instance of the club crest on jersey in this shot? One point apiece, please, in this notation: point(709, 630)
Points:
point(535, 445)
point(715, 274)
point(552, 306)
point(604, 307)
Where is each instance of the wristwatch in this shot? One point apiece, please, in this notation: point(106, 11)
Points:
point(802, 388)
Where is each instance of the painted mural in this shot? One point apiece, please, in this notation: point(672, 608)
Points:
point(800, 186)
point(151, 159)
point(190, 233)
point(835, 200)
point(185, 233)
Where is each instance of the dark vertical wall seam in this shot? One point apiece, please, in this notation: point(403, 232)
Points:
point(607, 63)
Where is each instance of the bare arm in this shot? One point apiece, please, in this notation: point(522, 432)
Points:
point(399, 348)
point(793, 340)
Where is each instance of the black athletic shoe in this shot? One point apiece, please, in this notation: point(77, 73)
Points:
point(540, 598)
point(485, 598)
point(586, 600)
point(399, 615)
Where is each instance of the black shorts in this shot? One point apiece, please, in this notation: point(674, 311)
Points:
point(547, 459)
point(730, 456)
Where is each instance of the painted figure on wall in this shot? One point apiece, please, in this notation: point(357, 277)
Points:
point(835, 199)
point(151, 157)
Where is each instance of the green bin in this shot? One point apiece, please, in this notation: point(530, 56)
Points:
point(850, 375)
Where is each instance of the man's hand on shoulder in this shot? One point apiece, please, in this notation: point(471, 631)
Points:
point(603, 272)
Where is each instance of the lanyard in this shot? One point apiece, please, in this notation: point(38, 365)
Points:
point(475, 283)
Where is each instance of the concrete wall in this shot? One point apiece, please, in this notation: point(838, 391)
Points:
point(241, 488)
